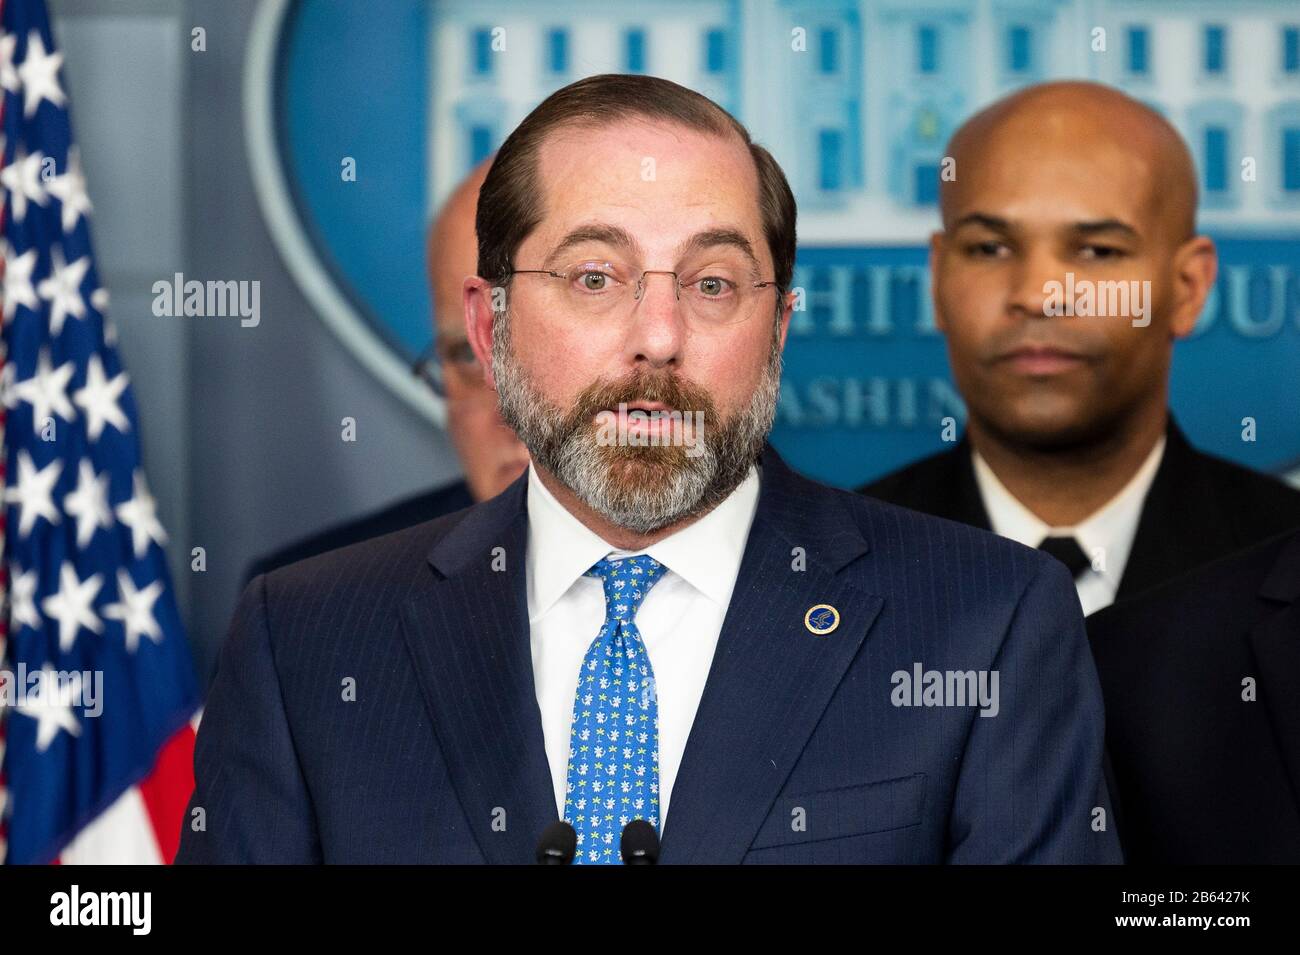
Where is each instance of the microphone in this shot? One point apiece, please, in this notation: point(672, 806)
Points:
point(558, 844)
point(639, 844)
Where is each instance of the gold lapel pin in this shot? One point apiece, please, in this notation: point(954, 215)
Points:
point(821, 619)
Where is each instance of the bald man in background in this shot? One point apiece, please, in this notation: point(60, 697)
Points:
point(490, 454)
point(1070, 445)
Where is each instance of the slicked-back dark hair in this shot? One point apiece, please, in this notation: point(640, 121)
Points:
point(510, 203)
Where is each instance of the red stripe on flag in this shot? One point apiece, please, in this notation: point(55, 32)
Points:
point(168, 788)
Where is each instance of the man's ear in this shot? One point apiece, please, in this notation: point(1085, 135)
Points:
point(478, 297)
point(936, 253)
point(1195, 267)
point(787, 311)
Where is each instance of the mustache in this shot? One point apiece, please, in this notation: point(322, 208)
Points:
point(669, 390)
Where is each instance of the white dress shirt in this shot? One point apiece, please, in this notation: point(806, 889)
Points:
point(1106, 536)
point(680, 619)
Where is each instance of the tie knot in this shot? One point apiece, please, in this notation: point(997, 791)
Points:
point(1066, 549)
point(627, 580)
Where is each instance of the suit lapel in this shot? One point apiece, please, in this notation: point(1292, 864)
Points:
point(1180, 526)
point(467, 631)
point(943, 485)
point(1275, 641)
point(968, 503)
point(771, 678)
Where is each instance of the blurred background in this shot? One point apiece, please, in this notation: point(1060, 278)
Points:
point(224, 155)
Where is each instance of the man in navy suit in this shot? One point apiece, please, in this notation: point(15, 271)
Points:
point(1201, 679)
point(659, 621)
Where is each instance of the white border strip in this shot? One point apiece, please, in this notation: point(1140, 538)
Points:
point(290, 237)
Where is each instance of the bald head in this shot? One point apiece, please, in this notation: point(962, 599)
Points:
point(489, 452)
point(1081, 131)
point(1067, 185)
point(453, 251)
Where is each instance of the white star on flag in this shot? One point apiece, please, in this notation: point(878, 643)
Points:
point(7, 396)
point(99, 299)
point(62, 288)
point(8, 75)
point(32, 492)
point(51, 706)
point(18, 281)
point(40, 75)
point(140, 514)
point(47, 391)
point(22, 178)
point(70, 189)
point(98, 399)
point(71, 606)
point(22, 590)
point(135, 610)
point(89, 502)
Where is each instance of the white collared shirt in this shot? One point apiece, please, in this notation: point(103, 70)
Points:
point(680, 619)
point(1106, 536)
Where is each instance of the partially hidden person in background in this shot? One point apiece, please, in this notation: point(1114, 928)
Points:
point(1202, 684)
point(490, 454)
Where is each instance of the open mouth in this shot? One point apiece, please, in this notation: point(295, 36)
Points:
point(650, 417)
point(645, 418)
point(648, 407)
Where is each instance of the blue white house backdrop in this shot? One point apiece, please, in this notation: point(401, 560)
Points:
point(856, 99)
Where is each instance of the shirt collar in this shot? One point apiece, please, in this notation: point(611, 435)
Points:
point(1110, 529)
point(705, 553)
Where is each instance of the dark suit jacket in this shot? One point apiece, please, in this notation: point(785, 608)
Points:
point(1199, 508)
point(1201, 775)
point(395, 517)
point(440, 758)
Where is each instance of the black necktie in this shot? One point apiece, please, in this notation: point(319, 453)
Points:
point(1067, 550)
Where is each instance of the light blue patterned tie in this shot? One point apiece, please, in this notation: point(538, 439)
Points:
point(613, 774)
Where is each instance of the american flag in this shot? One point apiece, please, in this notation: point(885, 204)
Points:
point(96, 766)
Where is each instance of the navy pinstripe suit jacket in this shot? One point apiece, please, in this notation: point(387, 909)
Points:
point(800, 751)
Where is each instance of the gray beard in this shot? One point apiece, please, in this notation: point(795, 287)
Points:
point(640, 489)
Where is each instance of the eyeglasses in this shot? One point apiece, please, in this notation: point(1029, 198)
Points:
point(442, 360)
point(720, 294)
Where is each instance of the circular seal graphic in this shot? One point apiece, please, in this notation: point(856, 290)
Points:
point(367, 330)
